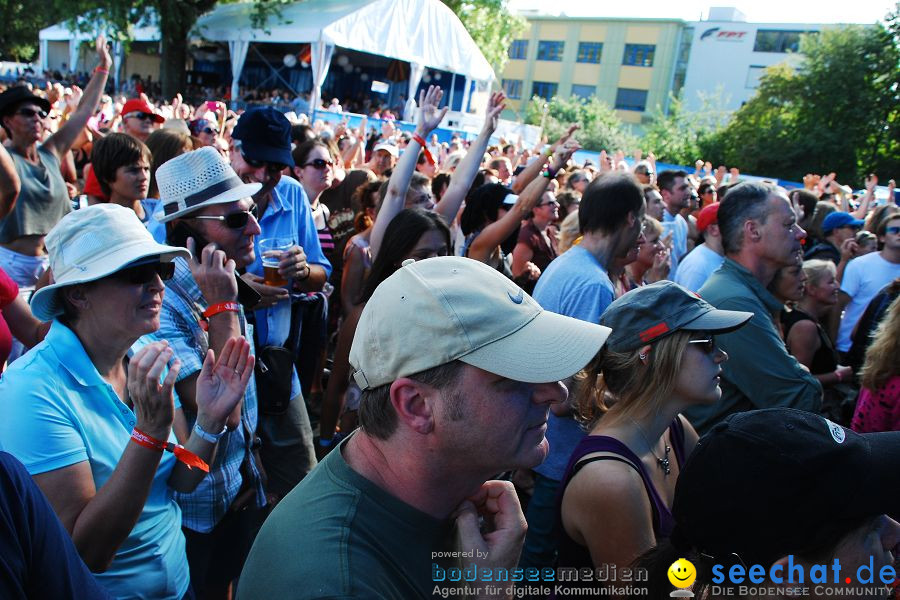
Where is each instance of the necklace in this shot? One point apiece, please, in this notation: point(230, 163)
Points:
point(664, 461)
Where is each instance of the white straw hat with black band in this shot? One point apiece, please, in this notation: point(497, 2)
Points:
point(196, 179)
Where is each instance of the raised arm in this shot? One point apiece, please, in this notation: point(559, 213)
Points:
point(533, 170)
point(10, 186)
point(60, 142)
point(465, 172)
point(490, 237)
point(428, 118)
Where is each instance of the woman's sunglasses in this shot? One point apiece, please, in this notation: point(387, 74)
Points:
point(707, 345)
point(235, 220)
point(319, 163)
point(143, 274)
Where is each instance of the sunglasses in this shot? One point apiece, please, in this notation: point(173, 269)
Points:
point(140, 115)
point(319, 163)
point(143, 274)
point(551, 203)
point(235, 220)
point(707, 345)
point(893, 229)
point(256, 164)
point(210, 131)
point(29, 113)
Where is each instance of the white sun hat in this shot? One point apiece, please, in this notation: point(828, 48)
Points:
point(91, 243)
point(434, 311)
point(196, 179)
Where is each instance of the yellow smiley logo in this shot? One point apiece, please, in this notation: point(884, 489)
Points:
point(682, 573)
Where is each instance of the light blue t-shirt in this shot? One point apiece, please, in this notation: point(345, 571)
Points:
point(156, 229)
point(697, 266)
point(57, 412)
point(574, 284)
point(679, 228)
point(287, 216)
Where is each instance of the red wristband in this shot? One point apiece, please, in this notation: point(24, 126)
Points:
point(418, 138)
point(220, 308)
point(181, 453)
point(101, 70)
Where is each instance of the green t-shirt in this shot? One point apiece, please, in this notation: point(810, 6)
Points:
point(338, 535)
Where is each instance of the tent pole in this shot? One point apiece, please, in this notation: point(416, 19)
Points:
point(452, 89)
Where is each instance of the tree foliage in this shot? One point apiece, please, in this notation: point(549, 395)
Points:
point(600, 129)
point(491, 26)
point(838, 111)
point(682, 136)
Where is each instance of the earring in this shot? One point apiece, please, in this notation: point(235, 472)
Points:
point(642, 356)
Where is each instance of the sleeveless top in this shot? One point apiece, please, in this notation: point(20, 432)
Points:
point(43, 201)
point(825, 360)
point(573, 554)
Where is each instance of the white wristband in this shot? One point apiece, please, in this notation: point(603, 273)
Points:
point(212, 438)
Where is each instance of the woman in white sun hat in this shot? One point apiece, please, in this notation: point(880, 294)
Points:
point(93, 422)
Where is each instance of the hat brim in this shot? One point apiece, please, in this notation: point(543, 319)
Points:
point(879, 493)
point(245, 190)
point(263, 152)
point(719, 321)
point(45, 302)
point(550, 347)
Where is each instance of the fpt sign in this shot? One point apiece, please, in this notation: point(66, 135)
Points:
point(724, 35)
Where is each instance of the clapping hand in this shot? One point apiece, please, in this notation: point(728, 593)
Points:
point(154, 405)
point(222, 383)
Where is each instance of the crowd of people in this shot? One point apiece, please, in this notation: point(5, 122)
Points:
point(245, 354)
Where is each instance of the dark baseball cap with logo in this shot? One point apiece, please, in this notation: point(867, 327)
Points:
point(651, 312)
point(265, 135)
point(763, 484)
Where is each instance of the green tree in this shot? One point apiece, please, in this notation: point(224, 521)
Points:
point(600, 129)
point(682, 136)
point(838, 111)
point(491, 25)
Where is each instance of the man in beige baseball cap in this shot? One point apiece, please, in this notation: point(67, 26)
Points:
point(458, 368)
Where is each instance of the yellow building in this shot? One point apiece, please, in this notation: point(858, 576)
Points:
point(627, 63)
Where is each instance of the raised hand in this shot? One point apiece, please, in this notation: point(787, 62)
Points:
point(213, 272)
point(103, 52)
point(564, 152)
point(154, 405)
point(222, 383)
point(429, 115)
point(495, 106)
point(871, 182)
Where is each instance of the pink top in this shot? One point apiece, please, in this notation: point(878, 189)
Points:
point(8, 292)
point(878, 410)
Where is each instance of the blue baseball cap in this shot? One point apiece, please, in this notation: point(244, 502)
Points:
point(265, 135)
point(838, 219)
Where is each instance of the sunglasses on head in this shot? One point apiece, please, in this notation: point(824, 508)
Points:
point(256, 164)
point(29, 113)
point(235, 220)
point(319, 163)
point(707, 345)
point(142, 274)
point(143, 116)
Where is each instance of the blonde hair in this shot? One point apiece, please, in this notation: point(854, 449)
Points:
point(881, 356)
point(639, 388)
point(568, 231)
point(652, 224)
point(816, 270)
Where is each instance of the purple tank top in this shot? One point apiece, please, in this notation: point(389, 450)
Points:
point(572, 554)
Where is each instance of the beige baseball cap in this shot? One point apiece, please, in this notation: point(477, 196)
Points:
point(438, 310)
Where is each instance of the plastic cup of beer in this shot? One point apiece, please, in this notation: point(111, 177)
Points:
point(271, 250)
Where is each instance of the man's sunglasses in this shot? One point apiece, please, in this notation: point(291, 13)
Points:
point(256, 164)
point(29, 113)
point(319, 163)
point(893, 229)
point(143, 116)
point(707, 345)
point(143, 274)
point(235, 220)
point(210, 131)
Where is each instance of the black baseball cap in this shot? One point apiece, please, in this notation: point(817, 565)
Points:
point(651, 312)
point(763, 483)
point(265, 135)
point(20, 94)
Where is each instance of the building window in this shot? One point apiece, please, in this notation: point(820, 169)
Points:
point(512, 88)
point(639, 55)
point(583, 91)
point(628, 99)
point(589, 52)
point(777, 40)
point(550, 50)
point(518, 49)
point(544, 89)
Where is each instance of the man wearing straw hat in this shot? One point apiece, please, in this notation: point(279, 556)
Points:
point(209, 210)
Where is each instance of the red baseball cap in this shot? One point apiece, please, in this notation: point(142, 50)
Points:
point(708, 216)
point(138, 105)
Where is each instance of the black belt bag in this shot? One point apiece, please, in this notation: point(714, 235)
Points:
point(274, 373)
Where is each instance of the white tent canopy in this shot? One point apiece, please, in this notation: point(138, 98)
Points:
point(424, 33)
